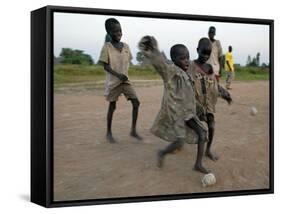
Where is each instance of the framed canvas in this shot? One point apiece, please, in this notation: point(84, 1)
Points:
point(91, 145)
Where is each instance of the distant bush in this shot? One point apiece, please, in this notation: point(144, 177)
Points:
point(251, 73)
point(78, 70)
point(78, 57)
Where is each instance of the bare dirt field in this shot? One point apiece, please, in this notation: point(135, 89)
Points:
point(86, 166)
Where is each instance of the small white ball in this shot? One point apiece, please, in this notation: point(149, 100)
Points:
point(208, 180)
point(254, 111)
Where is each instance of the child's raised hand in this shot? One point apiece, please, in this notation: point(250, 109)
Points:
point(148, 44)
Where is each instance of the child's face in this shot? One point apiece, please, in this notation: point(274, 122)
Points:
point(212, 33)
point(181, 59)
point(116, 32)
point(204, 52)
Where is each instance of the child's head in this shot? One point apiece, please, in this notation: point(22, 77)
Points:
point(204, 50)
point(113, 28)
point(212, 32)
point(180, 56)
point(230, 48)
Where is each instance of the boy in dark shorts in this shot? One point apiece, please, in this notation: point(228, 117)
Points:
point(116, 56)
point(207, 90)
point(177, 116)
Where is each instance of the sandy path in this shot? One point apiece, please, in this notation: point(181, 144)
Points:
point(88, 167)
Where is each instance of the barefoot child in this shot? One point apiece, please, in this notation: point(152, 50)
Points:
point(207, 90)
point(177, 115)
point(116, 56)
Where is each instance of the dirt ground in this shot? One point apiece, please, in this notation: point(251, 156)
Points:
point(86, 166)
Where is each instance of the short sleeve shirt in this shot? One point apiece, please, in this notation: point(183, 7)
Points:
point(118, 60)
point(229, 58)
point(215, 55)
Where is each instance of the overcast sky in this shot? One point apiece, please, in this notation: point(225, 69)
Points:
point(87, 32)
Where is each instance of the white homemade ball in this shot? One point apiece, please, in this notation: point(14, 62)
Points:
point(208, 180)
point(254, 111)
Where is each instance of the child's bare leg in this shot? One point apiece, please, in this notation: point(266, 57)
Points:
point(111, 109)
point(202, 136)
point(211, 131)
point(135, 104)
point(177, 145)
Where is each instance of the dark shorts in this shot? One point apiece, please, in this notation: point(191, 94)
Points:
point(123, 88)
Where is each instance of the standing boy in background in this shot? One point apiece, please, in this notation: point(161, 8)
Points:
point(216, 57)
point(229, 68)
point(116, 56)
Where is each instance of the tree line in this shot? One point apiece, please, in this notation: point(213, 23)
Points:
point(72, 56)
point(255, 61)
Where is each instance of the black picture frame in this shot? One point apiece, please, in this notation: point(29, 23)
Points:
point(42, 105)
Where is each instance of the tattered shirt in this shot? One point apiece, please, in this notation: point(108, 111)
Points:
point(118, 60)
point(178, 103)
point(205, 87)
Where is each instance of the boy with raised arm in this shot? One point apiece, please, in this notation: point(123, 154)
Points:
point(177, 116)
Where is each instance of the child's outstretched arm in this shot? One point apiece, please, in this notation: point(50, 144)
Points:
point(148, 46)
point(224, 94)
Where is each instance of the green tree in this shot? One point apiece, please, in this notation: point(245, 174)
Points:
point(255, 62)
point(249, 60)
point(258, 59)
point(66, 52)
point(70, 56)
point(140, 57)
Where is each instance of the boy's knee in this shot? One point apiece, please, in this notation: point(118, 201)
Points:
point(202, 135)
point(135, 103)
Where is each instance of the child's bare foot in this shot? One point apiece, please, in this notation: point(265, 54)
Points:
point(110, 138)
point(200, 168)
point(160, 159)
point(211, 155)
point(135, 135)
